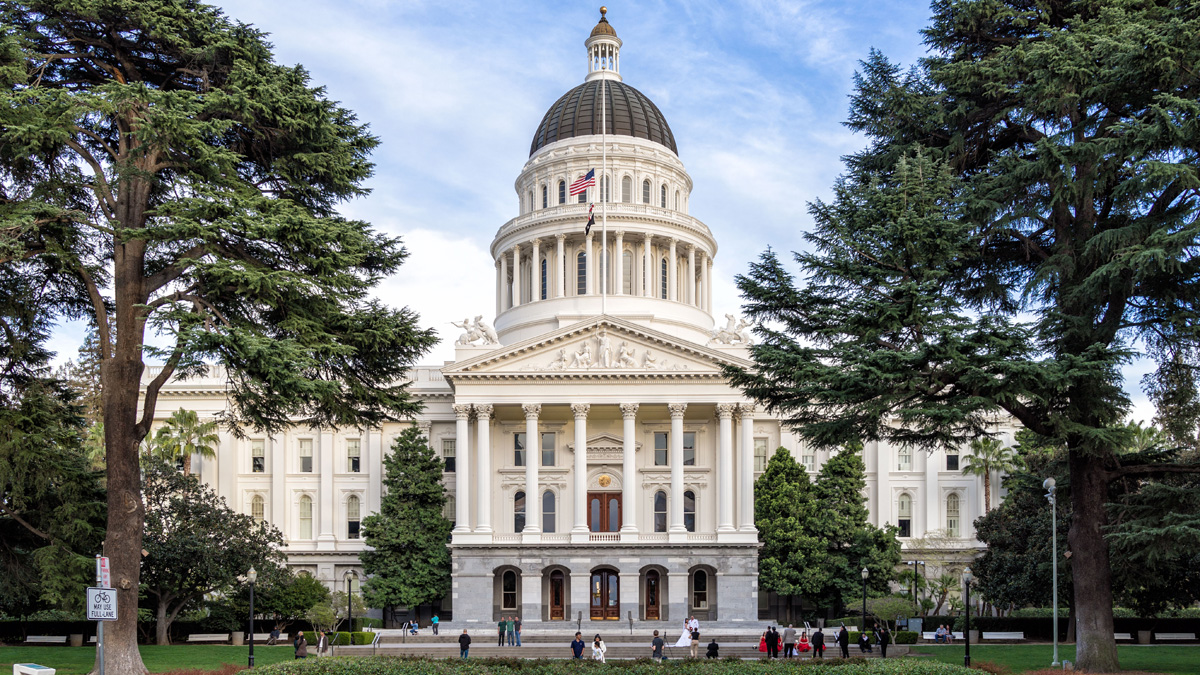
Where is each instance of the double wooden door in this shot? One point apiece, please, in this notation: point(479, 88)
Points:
point(606, 595)
point(604, 511)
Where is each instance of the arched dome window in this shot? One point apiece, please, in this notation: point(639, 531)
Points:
point(662, 196)
point(546, 197)
point(952, 515)
point(627, 272)
point(626, 189)
point(583, 197)
point(604, 196)
point(646, 191)
point(529, 204)
point(545, 278)
point(562, 192)
point(662, 267)
point(677, 200)
point(581, 273)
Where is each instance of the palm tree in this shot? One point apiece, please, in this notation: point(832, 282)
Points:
point(184, 435)
point(988, 455)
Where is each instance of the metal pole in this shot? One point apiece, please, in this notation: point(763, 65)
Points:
point(1049, 485)
point(967, 632)
point(99, 624)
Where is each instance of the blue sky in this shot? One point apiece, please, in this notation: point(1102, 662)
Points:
point(755, 93)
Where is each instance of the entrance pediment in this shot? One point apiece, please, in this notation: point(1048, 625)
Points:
point(602, 347)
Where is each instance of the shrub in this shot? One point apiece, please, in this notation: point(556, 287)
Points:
point(906, 637)
point(390, 665)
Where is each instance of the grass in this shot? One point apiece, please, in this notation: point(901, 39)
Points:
point(79, 660)
point(1174, 659)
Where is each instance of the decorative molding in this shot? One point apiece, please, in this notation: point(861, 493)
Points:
point(462, 410)
point(725, 410)
point(483, 411)
point(580, 409)
point(676, 409)
point(532, 410)
point(629, 409)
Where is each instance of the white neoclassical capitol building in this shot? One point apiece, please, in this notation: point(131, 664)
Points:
point(597, 463)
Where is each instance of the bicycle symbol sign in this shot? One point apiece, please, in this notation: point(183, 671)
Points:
point(101, 604)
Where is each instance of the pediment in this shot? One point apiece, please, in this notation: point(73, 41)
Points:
point(601, 347)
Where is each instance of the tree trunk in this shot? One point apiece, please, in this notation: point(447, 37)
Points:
point(1096, 649)
point(187, 464)
point(987, 491)
point(161, 634)
point(121, 377)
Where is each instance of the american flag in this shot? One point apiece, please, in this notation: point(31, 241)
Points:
point(584, 183)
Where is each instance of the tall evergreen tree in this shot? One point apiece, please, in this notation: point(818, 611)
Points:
point(159, 172)
point(791, 556)
point(1052, 228)
point(408, 562)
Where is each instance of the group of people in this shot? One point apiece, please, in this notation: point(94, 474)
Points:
point(300, 645)
point(509, 627)
point(772, 641)
point(598, 647)
point(690, 637)
point(943, 634)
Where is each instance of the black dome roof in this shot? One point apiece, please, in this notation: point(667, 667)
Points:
point(629, 113)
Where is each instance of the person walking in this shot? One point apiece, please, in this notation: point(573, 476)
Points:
point(694, 650)
point(500, 630)
point(517, 627)
point(434, 622)
point(510, 628)
point(301, 646)
point(818, 644)
point(322, 644)
point(885, 637)
point(598, 649)
point(789, 641)
point(656, 648)
point(843, 640)
point(464, 644)
point(577, 646)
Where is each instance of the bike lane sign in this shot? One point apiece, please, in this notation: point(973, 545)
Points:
point(101, 604)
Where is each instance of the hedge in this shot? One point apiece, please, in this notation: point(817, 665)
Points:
point(339, 638)
point(1042, 628)
point(391, 665)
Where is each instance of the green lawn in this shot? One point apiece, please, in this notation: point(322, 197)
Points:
point(79, 660)
point(1175, 659)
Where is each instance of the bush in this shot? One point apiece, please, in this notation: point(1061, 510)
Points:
point(339, 638)
point(906, 637)
point(378, 665)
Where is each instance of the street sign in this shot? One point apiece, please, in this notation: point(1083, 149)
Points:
point(102, 576)
point(101, 604)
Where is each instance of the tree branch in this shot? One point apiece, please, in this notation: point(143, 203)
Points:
point(176, 269)
point(102, 189)
point(102, 326)
point(21, 521)
point(152, 389)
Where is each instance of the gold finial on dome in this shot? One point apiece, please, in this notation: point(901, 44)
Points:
point(603, 28)
point(603, 11)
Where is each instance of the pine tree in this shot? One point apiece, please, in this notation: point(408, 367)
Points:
point(162, 173)
point(791, 556)
point(408, 562)
point(1024, 217)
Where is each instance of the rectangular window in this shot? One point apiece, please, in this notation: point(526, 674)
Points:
point(519, 449)
point(353, 455)
point(545, 197)
point(904, 516)
point(353, 518)
point(808, 459)
point(952, 460)
point(450, 510)
point(904, 459)
point(581, 273)
point(258, 459)
point(306, 449)
point(562, 192)
point(449, 448)
point(548, 449)
point(689, 448)
point(583, 197)
point(660, 448)
point(760, 454)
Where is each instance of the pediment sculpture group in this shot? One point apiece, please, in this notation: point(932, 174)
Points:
point(479, 331)
point(583, 356)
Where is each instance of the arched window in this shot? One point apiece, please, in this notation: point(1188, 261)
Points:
point(660, 511)
point(546, 197)
point(305, 517)
point(904, 515)
point(952, 514)
point(352, 517)
point(257, 506)
point(700, 590)
point(627, 189)
point(603, 188)
point(562, 192)
point(662, 196)
point(547, 511)
point(646, 191)
point(677, 200)
point(663, 273)
point(689, 511)
point(531, 200)
point(545, 278)
point(581, 273)
point(627, 272)
point(519, 512)
point(508, 591)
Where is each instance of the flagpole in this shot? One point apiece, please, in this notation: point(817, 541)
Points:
point(604, 196)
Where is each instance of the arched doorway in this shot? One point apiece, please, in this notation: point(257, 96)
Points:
point(558, 592)
point(606, 595)
point(653, 595)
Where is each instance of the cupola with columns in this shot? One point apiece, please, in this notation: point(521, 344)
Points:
point(645, 259)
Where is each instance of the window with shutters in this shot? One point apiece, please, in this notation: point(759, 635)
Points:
point(581, 273)
point(353, 455)
point(904, 515)
point(662, 196)
point(449, 449)
point(646, 192)
point(306, 515)
point(352, 517)
point(562, 192)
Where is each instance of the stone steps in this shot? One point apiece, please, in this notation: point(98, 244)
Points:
point(562, 650)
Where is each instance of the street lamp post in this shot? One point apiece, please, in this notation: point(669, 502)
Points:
point(1050, 495)
point(865, 574)
point(251, 576)
point(967, 604)
point(914, 563)
point(349, 608)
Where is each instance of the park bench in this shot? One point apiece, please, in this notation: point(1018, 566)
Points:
point(208, 637)
point(46, 640)
point(1011, 635)
point(1174, 636)
point(262, 637)
point(32, 669)
point(1122, 636)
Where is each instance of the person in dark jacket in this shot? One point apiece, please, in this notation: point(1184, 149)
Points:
point(843, 640)
point(301, 646)
point(884, 638)
point(713, 650)
point(772, 643)
point(818, 644)
point(464, 644)
point(864, 642)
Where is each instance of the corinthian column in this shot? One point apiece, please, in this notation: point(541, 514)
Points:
point(672, 292)
point(629, 482)
point(619, 255)
point(503, 287)
point(588, 286)
point(690, 287)
point(677, 466)
point(533, 458)
point(483, 422)
point(462, 468)
point(560, 275)
point(516, 291)
point(581, 411)
point(746, 467)
point(535, 272)
point(725, 469)
point(648, 279)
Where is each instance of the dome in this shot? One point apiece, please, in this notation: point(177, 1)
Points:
point(603, 28)
point(629, 113)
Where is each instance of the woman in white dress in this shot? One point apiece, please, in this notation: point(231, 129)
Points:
point(598, 649)
point(685, 640)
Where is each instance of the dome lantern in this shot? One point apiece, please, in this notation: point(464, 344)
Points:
point(604, 51)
